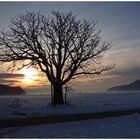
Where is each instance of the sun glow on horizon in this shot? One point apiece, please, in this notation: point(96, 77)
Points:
point(30, 76)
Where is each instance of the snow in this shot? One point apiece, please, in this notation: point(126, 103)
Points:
point(118, 127)
point(39, 105)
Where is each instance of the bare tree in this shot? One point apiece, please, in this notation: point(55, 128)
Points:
point(60, 45)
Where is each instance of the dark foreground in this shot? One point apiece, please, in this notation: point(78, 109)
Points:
point(63, 118)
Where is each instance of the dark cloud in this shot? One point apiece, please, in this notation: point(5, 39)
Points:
point(107, 80)
point(129, 72)
point(9, 79)
point(8, 75)
point(8, 82)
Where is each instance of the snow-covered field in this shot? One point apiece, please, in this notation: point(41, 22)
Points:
point(119, 127)
point(38, 105)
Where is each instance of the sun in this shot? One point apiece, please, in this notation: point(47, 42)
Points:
point(30, 75)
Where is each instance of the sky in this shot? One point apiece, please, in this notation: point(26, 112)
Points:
point(119, 23)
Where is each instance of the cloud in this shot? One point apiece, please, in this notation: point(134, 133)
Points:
point(10, 79)
point(8, 82)
point(129, 72)
point(8, 75)
point(109, 79)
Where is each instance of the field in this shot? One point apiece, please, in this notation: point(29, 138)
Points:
point(35, 105)
point(39, 105)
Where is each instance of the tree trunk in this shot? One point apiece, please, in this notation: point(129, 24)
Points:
point(58, 94)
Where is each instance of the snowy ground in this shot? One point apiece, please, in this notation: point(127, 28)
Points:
point(118, 127)
point(22, 106)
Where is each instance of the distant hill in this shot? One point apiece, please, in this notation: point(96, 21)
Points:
point(135, 86)
point(8, 90)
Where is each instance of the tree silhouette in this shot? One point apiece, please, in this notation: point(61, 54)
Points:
point(60, 45)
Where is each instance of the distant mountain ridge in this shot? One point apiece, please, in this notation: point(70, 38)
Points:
point(9, 90)
point(135, 86)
